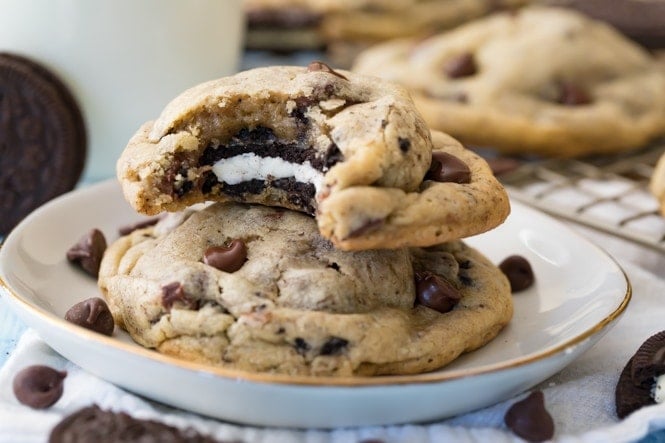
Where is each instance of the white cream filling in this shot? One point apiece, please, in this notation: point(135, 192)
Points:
point(249, 166)
point(658, 391)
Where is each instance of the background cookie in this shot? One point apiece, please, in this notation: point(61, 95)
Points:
point(42, 138)
point(541, 80)
point(296, 305)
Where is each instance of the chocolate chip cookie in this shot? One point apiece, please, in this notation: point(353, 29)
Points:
point(540, 80)
point(257, 288)
point(348, 148)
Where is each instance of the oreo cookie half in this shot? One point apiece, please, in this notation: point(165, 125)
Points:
point(42, 138)
point(636, 383)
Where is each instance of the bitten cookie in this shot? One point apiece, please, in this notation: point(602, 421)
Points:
point(257, 288)
point(317, 141)
point(541, 80)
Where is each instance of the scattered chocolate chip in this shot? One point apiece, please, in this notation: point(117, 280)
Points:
point(88, 252)
point(320, 66)
point(571, 94)
point(529, 419)
point(448, 168)
point(173, 294)
point(226, 258)
point(93, 314)
point(649, 361)
point(519, 272)
point(435, 292)
point(125, 230)
point(404, 144)
point(368, 226)
point(334, 346)
point(92, 424)
point(463, 65)
point(38, 386)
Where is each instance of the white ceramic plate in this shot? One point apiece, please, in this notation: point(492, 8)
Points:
point(579, 294)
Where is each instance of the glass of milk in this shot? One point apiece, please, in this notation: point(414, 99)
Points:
point(124, 60)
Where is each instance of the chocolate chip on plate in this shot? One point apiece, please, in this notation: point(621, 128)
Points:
point(435, 292)
point(226, 258)
point(93, 314)
point(38, 386)
point(529, 419)
point(448, 168)
point(88, 252)
point(519, 272)
point(463, 65)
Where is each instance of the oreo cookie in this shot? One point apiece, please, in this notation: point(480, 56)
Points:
point(638, 383)
point(43, 140)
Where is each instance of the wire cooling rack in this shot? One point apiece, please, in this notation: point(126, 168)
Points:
point(609, 193)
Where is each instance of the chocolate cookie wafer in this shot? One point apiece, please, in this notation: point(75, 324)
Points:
point(42, 138)
point(641, 380)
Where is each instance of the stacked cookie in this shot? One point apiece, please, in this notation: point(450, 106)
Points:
point(315, 229)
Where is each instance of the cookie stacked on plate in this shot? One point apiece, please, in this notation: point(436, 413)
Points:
point(314, 229)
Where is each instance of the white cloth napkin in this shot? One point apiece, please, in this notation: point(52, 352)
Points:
point(580, 398)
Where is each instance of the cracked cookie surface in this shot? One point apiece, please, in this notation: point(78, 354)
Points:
point(306, 139)
point(541, 80)
point(296, 305)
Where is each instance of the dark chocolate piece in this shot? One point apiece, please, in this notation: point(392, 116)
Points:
point(38, 386)
point(173, 294)
point(435, 292)
point(448, 168)
point(93, 314)
point(463, 65)
point(320, 66)
point(301, 345)
point(529, 419)
point(519, 272)
point(92, 424)
point(88, 252)
point(42, 138)
point(226, 258)
point(334, 346)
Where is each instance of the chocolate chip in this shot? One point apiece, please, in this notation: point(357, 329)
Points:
point(519, 272)
point(529, 419)
point(649, 361)
point(128, 229)
point(226, 258)
point(173, 294)
point(571, 94)
point(435, 292)
point(448, 168)
point(463, 65)
point(92, 424)
point(320, 66)
point(334, 346)
point(404, 144)
point(88, 252)
point(301, 345)
point(93, 314)
point(38, 386)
